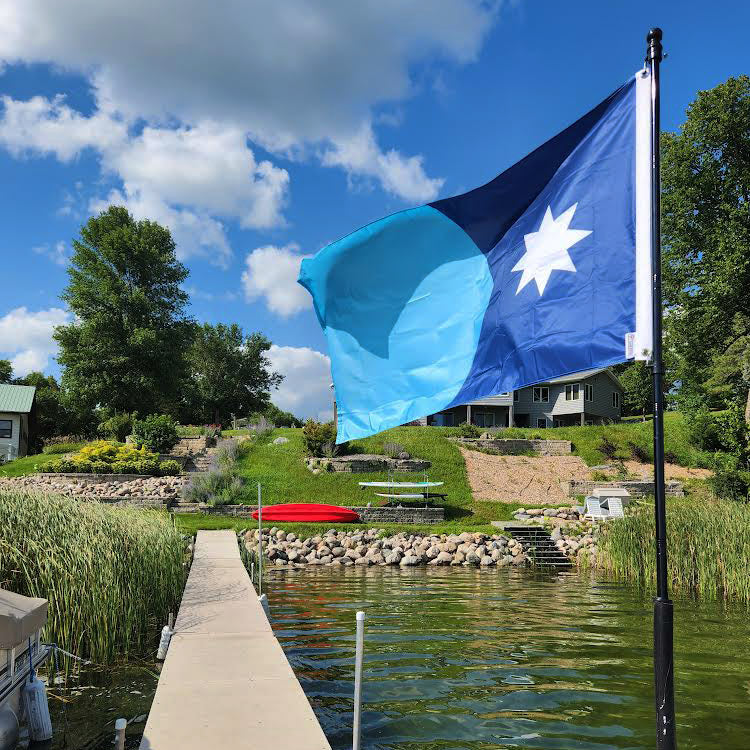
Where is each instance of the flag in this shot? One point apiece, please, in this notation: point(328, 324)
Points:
point(544, 271)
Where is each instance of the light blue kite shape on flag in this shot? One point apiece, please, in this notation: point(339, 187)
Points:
point(540, 273)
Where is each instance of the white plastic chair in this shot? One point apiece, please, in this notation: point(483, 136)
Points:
point(615, 507)
point(594, 510)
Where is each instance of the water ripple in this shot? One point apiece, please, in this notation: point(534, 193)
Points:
point(473, 659)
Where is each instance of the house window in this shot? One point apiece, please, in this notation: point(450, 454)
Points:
point(589, 392)
point(6, 428)
point(541, 422)
point(541, 395)
point(615, 399)
point(516, 395)
point(572, 392)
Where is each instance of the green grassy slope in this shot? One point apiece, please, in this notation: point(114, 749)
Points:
point(586, 439)
point(26, 465)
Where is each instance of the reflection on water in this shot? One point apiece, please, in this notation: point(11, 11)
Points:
point(505, 659)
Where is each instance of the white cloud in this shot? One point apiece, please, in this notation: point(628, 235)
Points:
point(305, 390)
point(290, 74)
point(401, 176)
point(40, 126)
point(272, 273)
point(57, 253)
point(26, 337)
point(182, 177)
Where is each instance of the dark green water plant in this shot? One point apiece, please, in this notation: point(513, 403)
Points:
point(111, 574)
point(709, 548)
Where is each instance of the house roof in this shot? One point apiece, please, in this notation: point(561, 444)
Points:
point(16, 398)
point(578, 376)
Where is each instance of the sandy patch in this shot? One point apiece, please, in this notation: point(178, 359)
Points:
point(671, 471)
point(522, 479)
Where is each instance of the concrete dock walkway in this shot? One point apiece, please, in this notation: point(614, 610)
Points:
point(226, 682)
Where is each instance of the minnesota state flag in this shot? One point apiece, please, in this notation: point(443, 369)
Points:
point(542, 272)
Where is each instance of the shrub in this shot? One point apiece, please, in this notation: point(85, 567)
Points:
point(59, 448)
point(220, 486)
point(117, 427)
point(600, 476)
point(466, 430)
point(671, 457)
point(607, 448)
point(638, 453)
point(169, 468)
point(703, 430)
point(319, 439)
point(106, 457)
point(158, 432)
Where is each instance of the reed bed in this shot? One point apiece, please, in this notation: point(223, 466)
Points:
point(708, 546)
point(111, 574)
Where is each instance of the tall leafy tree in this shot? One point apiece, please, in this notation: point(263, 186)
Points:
point(706, 228)
point(125, 350)
point(639, 395)
point(6, 371)
point(230, 372)
point(730, 367)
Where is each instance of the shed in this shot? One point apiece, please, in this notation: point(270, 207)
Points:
point(16, 409)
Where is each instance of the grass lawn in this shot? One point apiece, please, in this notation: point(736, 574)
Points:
point(285, 479)
point(26, 465)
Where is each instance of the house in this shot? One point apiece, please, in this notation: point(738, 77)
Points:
point(16, 419)
point(589, 397)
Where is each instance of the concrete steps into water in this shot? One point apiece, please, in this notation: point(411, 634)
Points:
point(541, 548)
point(226, 682)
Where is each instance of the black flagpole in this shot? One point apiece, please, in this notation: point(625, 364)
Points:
point(663, 614)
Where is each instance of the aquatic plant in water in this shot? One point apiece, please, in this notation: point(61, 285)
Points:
point(111, 574)
point(708, 545)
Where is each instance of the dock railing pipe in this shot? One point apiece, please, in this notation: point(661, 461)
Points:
point(358, 660)
point(260, 544)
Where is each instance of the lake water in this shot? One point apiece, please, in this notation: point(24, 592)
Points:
point(468, 658)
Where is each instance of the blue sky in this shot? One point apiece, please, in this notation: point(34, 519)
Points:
point(263, 131)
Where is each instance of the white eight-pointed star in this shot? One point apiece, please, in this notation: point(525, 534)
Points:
point(547, 249)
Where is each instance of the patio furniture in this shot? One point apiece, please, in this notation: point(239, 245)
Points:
point(614, 505)
point(594, 510)
point(604, 493)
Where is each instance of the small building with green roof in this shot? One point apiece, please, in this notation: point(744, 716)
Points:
point(16, 419)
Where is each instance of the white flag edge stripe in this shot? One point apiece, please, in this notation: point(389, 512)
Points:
point(643, 288)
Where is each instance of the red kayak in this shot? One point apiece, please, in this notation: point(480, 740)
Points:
point(307, 512)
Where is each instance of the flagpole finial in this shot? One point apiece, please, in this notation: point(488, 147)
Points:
point(654, 44)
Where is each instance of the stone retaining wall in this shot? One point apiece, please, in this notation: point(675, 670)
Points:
point(514, 447)
point(367, 463)
point(368, 515)
point(636, 487)
point(93, 478)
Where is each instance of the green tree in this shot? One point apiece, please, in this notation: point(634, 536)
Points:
point(706, 229)
point(229, 372)
point(278, 417)
point(53, 414)
point(639, 394)
point(6, 371)
point(730, 368)
point(125, 349)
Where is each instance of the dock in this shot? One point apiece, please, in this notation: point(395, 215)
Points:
point(226, 682)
